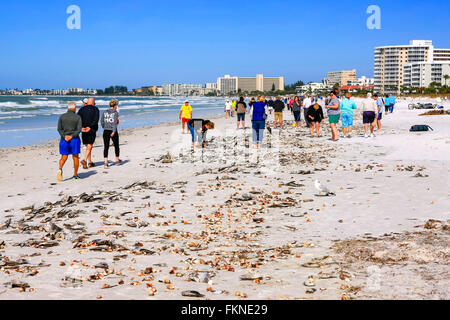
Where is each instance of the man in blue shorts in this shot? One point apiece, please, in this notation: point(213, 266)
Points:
point(69, 128)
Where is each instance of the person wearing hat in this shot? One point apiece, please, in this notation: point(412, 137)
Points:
point(185, 114)
point(227, 109)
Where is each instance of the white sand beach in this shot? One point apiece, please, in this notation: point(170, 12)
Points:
point(247, 221)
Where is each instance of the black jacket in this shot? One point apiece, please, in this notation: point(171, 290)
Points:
point(316, 114)
point(278, 106)
point(89, 117)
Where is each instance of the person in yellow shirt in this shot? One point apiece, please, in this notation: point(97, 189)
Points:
point(185, 114)
point(233, 107)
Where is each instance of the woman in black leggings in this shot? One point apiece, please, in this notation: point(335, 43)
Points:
point(110, 121)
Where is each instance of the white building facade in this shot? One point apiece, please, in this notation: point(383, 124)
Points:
point(422, 74)
point(390, 61)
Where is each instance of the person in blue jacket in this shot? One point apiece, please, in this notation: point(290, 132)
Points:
point(391, 103)
point(258, 121)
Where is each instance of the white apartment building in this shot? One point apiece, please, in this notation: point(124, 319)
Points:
point(179, 89)
point(389, 62)
point(421, 74)
point(75, 90)
point(362, 81)
point(60, 92)
point(311, 88)
point(211, 85)
point(228, 84)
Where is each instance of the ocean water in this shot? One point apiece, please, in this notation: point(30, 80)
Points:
point(30, 120)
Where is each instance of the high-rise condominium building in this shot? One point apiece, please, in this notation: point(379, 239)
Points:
point(421, 74)
point(341, 77)
point(390, 61)
point(178, 89)
point(228, 84)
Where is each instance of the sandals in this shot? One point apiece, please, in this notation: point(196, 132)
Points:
point(84, 164)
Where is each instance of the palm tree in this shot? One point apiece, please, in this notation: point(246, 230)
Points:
point(446, 77)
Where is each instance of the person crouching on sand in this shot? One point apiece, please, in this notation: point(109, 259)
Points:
point(109, 121)
point(69, 128)
point(185, 114)
point(315, 116)
point(198, 128)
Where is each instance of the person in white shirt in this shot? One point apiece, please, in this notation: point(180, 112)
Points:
point(306, 104)
point(227, 109)
point(370, 112)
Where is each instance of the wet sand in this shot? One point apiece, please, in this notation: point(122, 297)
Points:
point(231, 222)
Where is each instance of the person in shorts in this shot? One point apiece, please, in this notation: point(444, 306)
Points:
point(240, 111)
point(185, 114)
point(380, 107)
point(347, 107)
point(69, 128)
point(90, 115)
point(278, 107)
point(334, 114)
point(369, 110)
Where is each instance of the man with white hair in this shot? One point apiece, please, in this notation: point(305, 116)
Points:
point(85, 102)
point(69, 128)
point(369, 110)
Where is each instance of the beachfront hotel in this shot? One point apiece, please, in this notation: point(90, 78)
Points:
point(341, 77)
point(390, 62)
point(228, 84)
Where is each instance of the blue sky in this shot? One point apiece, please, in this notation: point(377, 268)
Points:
point(138, 42)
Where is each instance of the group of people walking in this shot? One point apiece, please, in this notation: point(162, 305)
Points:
point(72, 125)
point(312, 109)
point(84, 124)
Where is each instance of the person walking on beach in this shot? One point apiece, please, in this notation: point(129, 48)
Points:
point(241, 108)
point(90, 115)
point(296, 110)
point(198, 129)
point(270, 105)
point(278, 107)
point(347, 107)
point(233, 107)
point(306, 104)
point(69, 128)
point(369, 110)
point(334, 113)
point(380, 111)
point(386, 103)
point(258, 121)
point(227, 109)
point(109, 121)
point(391, 103)
point(315, 116)
point(185, 114)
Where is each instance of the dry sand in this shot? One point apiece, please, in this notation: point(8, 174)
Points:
point(248, 222)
